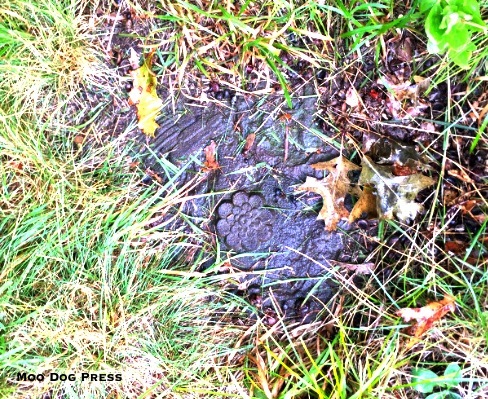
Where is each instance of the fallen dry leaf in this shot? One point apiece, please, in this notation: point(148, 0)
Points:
point(358, 268)
point(153, 175)
point(456, 247)
point(403, 170)
point(145, 97)
point(405, 90)
point(333, 188)
point(395, 194)
point(79, 139)
point(352, 97)
point(450, 195)
point(366, 204)
point(134, 59)
point(133, 165)
point(425, 317)
point(398, 93)
point(15, 165)
point(249, 143)
point(461, 175)
point(210, 159)
point(387, 151)
point(468, 208)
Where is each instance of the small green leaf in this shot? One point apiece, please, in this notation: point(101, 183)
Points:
point(452, 368)
point(434, 33)
point(421, 380)
point(450, 20)
point(426, 5)
point(458, 37)
point(469, 8)
point(461, 58)
point(453, 375)
point(472, 7)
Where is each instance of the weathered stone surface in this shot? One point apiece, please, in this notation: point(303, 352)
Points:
point(263, 220)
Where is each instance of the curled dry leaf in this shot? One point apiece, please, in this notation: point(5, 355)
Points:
point(395, 194)
point(153, 175)
point(366, 204)
point(352, 97)
point(79, 139)
point(249, 143)
point(210, 158)
point(358, 268)
point(145, 97)
point(425, 317)
point(333, 188)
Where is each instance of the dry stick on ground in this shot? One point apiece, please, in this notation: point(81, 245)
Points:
point(286, 119)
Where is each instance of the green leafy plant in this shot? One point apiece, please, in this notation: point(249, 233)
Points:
point(425, 381)
point(449, 26)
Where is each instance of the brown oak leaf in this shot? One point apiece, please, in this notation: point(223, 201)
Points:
point(333, 188)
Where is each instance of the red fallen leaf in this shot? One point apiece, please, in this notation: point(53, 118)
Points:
point(374, 94)
point(133, 165)
point(425, 317)
point(467, 206)
point(210, 160)
point(456, 247)
point(285, 118)
point(79, 139)
point(15, 165)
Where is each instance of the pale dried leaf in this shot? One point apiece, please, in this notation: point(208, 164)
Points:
point(358, 268)
point(425, 316)
point(352, 97)
point(134, 59)
point(395, 194)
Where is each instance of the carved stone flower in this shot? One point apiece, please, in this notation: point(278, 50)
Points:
point(243, 223)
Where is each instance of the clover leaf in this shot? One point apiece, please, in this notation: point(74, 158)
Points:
point(424, 380)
